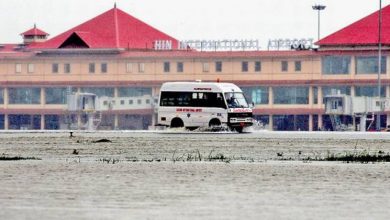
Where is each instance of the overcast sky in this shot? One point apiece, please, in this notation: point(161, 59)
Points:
point(191, 19)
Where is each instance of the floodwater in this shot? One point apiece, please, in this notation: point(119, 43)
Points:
point(158, 175)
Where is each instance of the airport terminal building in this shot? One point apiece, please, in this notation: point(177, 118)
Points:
point(118, 56)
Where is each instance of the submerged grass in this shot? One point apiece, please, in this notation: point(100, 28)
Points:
point(197, 156)
point(109, 160)
point(11, 158)
point(352, 157)
point(194, 156)
point(362, 157)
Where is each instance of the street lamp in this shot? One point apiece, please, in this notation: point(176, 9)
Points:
point(318, 8)
point(378, 117)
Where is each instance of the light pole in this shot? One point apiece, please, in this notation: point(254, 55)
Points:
point(378, 116)
point(319, 8)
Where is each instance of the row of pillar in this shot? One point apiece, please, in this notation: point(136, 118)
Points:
point(116, 121)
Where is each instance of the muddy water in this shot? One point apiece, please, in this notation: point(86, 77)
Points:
point(266, 177)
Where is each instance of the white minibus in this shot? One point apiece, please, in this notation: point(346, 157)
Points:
point(203, 104)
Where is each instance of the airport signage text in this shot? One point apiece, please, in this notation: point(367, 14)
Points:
point(290, 44)
point(208, 45)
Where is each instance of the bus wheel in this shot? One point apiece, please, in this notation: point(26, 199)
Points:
point(239, 129)
point(177, 123)
point(214, 123)
point(192, 128)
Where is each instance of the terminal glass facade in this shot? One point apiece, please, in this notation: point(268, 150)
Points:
point(336, 64)
point(258, 95)
point(24, 95)
point(100, 92)
point(291, 95)
point(52, 122)
point(2, 125)
point(369, 65)
point(291, 122)
point(1, 96)
point(134, 91)
point(56, 96)
point(370, 91)
point(24, 122)
point(332, 90)
point(329, 90)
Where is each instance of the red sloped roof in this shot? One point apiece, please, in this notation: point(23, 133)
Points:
point(112, 29)
point(35, 32)
point(362, 32)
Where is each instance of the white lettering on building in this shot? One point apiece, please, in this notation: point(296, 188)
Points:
point(162, 45)
point(291, 44)
point(208, 45)
point(218, 45)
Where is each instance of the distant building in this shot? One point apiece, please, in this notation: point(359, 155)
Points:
point(116, 55)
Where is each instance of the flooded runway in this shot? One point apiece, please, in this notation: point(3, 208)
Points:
point(169, 175)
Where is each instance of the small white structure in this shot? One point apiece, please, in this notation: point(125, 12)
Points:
point(85, 103)
point(362, 107)
point(82, 102)
point(126, 103)
point(92, 106)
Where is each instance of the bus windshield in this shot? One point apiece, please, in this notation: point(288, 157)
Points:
point(236, 100)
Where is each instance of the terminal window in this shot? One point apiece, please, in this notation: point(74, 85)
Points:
point(54, 68)
point(103, 67)
point(1, 96)
point(67, 68)
point(55, 95)
point(180, 67)
point(30, 68)
point(257, 66)
point(284, 66)
point(244, 66)
point(315, 95)
point(291, 95)
point(205, 67)
point(298, 66)
point(336, 64)
point(129, 67)
point(92, 68)
point(141, 67)
point(369, 65)
point(218, 66)
point(18, 68)
point(167, 67)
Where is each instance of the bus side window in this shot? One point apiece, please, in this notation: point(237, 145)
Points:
point(220, 101)
point(205, 100)
point(186, 99)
